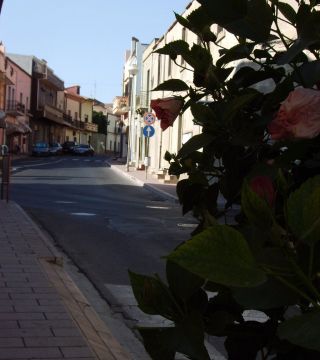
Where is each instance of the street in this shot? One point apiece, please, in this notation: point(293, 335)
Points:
point(103, 221)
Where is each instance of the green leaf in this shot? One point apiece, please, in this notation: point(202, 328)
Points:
point(236, 104)
point(308, 74)
point(269, 295)
point(183, 289)
point(174, 48)
point(186, 338)
point(183, 21)
point(304, 211)
point(256, 209)
point(220, 254)
point(223, 12)
point(202, 113)
point(302, 330)
point(172, 85)
point(308, 29)
point(256, 24)
point(237, 52)
point(167, 156)
point(195, 143)
point(152, 296)
point(158, 341)
point(287, 11)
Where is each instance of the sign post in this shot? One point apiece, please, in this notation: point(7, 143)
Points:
point(148, 132)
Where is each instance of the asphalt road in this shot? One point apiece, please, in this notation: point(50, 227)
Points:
point(104, 222)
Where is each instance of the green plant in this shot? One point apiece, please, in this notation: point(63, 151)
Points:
point(261, 150)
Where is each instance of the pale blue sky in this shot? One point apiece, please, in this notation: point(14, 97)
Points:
point(84, 41)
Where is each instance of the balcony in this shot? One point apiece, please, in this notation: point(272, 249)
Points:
point(15, 108)
point(51, 113)
point(90, 127)
point(120, 105)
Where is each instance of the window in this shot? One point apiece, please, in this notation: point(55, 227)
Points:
point(169, 66)
point(110, 145)
point(159, 68)
point(21, 98)
point(76, 115)
point(184, 38)
point(86, 118)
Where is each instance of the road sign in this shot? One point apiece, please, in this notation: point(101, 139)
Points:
point(148, 131)
point(149, 118)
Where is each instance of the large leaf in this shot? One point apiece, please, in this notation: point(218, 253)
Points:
point(195, 143)
point(152, 296)
point(186, 338)
point(256, 24)
point(308, 74)
point(269, 295)
point(223, 12)
point(302, 330)
point(236, 104)
point(304, 211)
point(288, 11)
point(185, 288)
point(256, 209)
point(203, 114)
point(172, 85)
point(308, 29)
point(220, 254)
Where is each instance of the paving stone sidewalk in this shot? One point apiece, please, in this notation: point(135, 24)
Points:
point(43, 315)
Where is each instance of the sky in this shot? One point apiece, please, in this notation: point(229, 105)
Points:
point(84, 41)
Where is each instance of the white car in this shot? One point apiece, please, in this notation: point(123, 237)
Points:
point(83, 149)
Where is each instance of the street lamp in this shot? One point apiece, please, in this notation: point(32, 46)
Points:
point(106, 132)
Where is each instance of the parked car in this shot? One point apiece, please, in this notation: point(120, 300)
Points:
point(83, 149)
point(55, 149)
point(40, 149)
point(68, 146)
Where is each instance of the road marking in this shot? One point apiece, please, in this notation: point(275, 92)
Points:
point(75, 159)
point(64, 202)
point(157, 207)
point(39, 164)
point(83, 214)
point(187, 225)
point(97, 160)
point(87, 160)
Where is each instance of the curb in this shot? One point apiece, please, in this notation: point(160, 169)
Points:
point(147, 186)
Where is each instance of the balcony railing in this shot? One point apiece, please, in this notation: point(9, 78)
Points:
point(143, 100)
point(90, 127)
point(15, 108)
point(120, 105)
point(52, 113)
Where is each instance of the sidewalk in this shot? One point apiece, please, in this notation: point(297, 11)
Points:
point(43, 315)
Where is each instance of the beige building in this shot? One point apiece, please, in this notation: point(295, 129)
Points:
point(110, 141)
point(78, 112)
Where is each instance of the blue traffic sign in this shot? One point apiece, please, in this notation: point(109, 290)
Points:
point(148, 131)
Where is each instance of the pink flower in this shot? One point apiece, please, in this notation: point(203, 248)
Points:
point(263, 187)
point(167, 110)
point(298, 116)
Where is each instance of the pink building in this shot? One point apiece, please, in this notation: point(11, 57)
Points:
point(17, 107)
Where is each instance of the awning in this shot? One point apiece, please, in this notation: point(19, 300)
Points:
point(17, 128)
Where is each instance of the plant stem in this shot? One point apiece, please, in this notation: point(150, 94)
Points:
point(311, 258)
point(304, 278)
